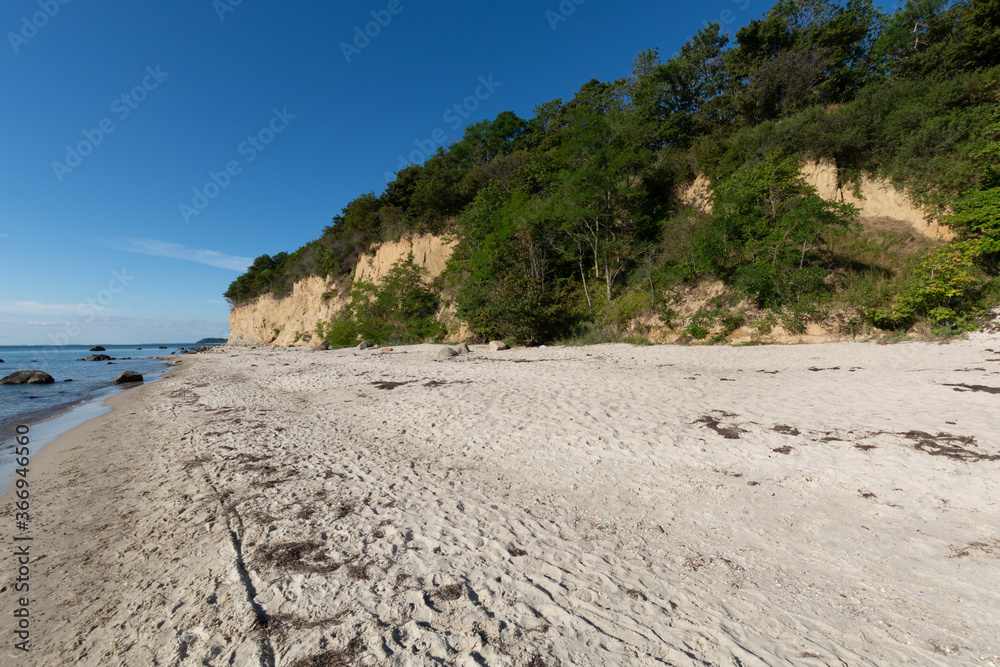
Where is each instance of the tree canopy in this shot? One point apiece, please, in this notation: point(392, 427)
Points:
point(559, 214)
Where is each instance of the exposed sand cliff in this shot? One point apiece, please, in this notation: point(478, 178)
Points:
point(271, 320)
point(291, 320)
point(429, 252)
point(879, 198)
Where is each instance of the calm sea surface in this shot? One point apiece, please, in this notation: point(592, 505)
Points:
point(87, 377)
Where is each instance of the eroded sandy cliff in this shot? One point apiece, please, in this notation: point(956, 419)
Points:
point(291, 320)
point(879, 199)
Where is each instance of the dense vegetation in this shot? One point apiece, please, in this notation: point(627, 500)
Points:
point(399, 310)
point(569, 222)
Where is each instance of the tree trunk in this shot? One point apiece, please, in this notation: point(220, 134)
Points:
point(583, 274)
point(649, 275)
point(607, 276)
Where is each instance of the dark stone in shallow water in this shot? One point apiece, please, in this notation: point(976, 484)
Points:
point(128, 376)
point(97, 348)
point(97, 357)
point(28, 377)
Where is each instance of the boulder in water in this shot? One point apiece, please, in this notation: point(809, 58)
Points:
point(97, 357)
point(28, 377)
point(128, 376)
point(97, 348)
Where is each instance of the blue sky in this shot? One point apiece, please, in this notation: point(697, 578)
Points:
point(117, 112)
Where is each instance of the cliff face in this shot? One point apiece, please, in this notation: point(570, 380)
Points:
point(879, 199)
point(271, 320)
point(291, 320)
point(429, 252)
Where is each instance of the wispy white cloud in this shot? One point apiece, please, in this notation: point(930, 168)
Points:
point(25, 329)
point(36, 308)
point(177, 251)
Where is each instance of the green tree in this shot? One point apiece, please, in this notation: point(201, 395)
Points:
point(941, 37)
point(680, 99)
point(504, 264)
point(596, 194)
point(400, 309)
point(766, 227)
point(803, 52)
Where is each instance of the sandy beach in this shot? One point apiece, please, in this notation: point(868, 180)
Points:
point(609, 505)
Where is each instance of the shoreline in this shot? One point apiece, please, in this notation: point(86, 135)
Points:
point(40, 416)
point(56, 421)
point(9, 425)
point(596, 505)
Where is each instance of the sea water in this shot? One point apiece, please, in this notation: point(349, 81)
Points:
point(76, 401)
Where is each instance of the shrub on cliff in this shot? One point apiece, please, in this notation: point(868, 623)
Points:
point(504, 265)
point(766, 228)
point(950, 285)
point(398, 310)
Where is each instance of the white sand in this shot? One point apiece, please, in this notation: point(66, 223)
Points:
point(583, 509)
